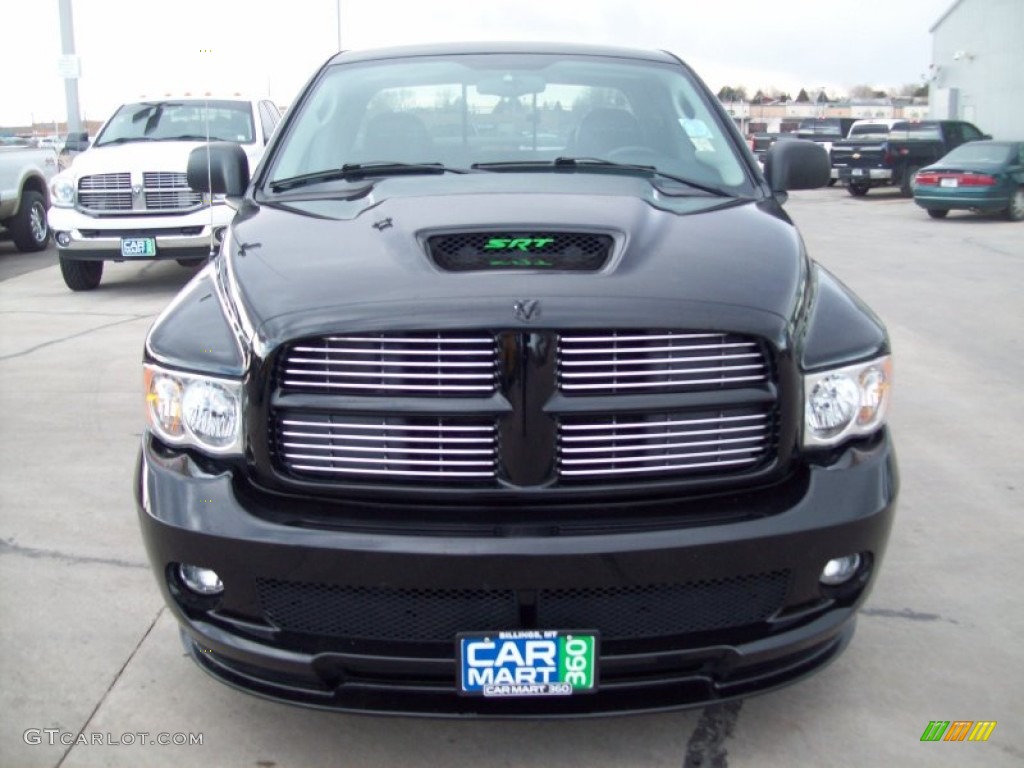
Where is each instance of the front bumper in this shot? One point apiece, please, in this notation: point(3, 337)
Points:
point(95, 238)
point(414, 592)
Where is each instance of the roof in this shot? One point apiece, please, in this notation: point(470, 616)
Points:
point(943, 17)
point(484, 47)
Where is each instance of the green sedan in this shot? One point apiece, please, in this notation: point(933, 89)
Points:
point(980, 176)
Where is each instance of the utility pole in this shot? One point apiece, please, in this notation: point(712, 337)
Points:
point(69, 66)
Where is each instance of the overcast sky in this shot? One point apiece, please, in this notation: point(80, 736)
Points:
point(134, 48)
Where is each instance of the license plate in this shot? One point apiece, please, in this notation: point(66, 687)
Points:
point(527, 663)
point(136, 247)
point(947, 182)
point(858, 171)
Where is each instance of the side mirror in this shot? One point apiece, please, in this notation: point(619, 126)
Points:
point(796, 164)
point(220, 168)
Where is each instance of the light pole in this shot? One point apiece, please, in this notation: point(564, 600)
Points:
point(337, 8)
point(67, 42)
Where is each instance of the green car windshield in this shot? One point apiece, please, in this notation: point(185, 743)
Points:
point(508, 112)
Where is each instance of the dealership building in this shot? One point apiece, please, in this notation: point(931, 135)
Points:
point(977, 69)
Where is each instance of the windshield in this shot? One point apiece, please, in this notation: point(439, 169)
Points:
point(494, 110)
point(872, 131)
point(820, 128)
point(915, 132)
point(168, 120)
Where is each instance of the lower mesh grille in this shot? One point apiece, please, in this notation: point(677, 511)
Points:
point(437, 615)
point(374, 613)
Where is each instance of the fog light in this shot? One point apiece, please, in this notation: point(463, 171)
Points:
point(840, 570)
point(202, 581)
point(63, 239)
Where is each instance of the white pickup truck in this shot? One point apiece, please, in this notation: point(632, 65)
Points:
point(25, 172)
point(126, 197)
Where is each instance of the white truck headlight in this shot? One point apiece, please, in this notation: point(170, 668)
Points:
point(189, 409)
point(62, 191)
point(846, 402)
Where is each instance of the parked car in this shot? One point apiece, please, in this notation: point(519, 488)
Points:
point(504, 429)
point(25, 171)
point(761, 142)
point(125, 197)
point(824, 131)
point(870, 158)
point(983, 176)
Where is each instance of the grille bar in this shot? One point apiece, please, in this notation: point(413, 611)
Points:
point(610, 446)
point(608, 362)
point(418, 364)
point(105, 182)
point(325, 445)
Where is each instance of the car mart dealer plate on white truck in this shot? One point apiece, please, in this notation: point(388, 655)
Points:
point(138, 247)
point(527, 663)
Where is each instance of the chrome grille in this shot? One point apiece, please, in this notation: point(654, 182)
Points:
point(173, 200)
point(161, 191)
point(106, 192)
point(678, 443)
point(164, 180)
point(339, 445)
point(414, 364)
point(657, 361)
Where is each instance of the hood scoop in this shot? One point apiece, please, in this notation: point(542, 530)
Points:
point(520, 250)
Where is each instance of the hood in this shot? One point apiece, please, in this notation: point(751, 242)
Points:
point(143, 156)
point(320, 265)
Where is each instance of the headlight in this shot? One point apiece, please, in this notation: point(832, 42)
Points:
point(846, 402)
point(62, 191)
point(189, 409)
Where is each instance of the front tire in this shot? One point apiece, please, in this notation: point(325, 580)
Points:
point(907, 187)
point(937, 213)
point(858, 190)
point(1015, 212)
point(28, 226)
point(80, 275)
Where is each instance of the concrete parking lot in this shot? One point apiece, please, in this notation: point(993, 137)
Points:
point(90, 659)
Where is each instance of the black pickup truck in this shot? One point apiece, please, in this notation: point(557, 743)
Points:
point(455, 425)
point(893, 156)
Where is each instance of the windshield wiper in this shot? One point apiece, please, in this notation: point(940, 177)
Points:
point(190, 137)
point(356, 171)
point(598, 163)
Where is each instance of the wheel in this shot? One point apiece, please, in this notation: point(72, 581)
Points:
point(1016, 210)
point(937, 213)
point(907, 187)
point(191, 263)
point(858, 190)
point(80, 275)
point(28, 226)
